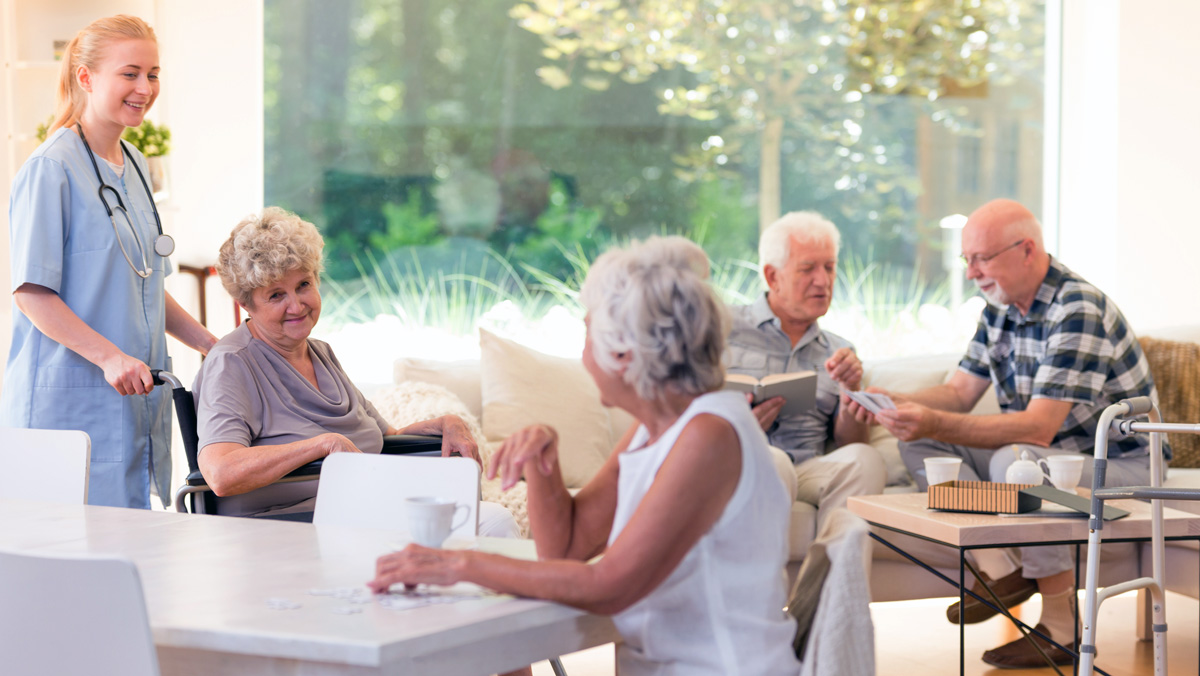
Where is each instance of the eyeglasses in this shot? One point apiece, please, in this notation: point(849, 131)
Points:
point(980, 260)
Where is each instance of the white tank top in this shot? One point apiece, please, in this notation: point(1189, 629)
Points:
point(118, 168)
point(720, 611)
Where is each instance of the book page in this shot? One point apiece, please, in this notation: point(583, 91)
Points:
point(741, 380)
point(773, 378)
point(741, 383)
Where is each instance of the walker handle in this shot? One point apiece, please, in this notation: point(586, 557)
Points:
point(1138, 405)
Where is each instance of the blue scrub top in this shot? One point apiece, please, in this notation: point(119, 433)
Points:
point(61, 238)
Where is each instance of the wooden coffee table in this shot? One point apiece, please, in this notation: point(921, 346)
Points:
point(907, 514)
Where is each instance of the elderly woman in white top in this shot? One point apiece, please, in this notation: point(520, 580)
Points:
point(689, 511)
point(270, 399)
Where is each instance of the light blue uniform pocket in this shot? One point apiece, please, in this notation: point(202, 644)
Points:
point(78, 398)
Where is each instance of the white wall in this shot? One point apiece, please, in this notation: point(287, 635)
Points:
point(1130, 152)
point(212, 100)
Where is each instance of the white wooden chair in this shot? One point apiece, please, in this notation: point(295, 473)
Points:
point(364, 490)
point(73, 615)
point(46, 465)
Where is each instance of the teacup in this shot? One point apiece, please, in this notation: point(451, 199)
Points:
point(941, 470)
point(431, 519)
point(1064, 471)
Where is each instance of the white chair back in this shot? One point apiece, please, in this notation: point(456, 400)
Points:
point(365, 490)
point(47, 465)
point(73, 615)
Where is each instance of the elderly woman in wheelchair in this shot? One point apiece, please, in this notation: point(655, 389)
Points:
point(270, 399)
point(688, 511)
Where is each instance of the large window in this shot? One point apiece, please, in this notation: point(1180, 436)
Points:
point(465, 159)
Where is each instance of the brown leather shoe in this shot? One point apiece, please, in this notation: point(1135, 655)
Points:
point(1020, 655)
point(1012, 589)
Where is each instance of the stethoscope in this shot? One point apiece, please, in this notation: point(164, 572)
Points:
point(163, 244)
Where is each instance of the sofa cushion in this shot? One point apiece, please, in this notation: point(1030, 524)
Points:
point(522, 387)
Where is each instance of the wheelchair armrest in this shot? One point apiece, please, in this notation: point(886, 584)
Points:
point(411, 444)
point(312, 469)
point(396, 444)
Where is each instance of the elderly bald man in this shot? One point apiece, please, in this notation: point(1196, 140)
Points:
point(1058, 352)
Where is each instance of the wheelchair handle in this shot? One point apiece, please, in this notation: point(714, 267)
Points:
point(162, 377)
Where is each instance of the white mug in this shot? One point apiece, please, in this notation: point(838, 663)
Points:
point(1064, 471)
point(941, 470)
point(431, 519)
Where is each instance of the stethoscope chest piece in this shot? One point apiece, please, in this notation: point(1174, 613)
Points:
point(164, 245)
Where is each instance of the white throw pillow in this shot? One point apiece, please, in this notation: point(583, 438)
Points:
point(523, 387)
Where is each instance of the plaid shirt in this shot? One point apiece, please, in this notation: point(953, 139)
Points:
point(1074, 345)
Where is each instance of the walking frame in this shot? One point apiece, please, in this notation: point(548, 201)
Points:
point(1111, 420)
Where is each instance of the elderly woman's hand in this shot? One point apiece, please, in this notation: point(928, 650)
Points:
point(536, 443)
point(415, 565)
point(335, 443)
point(457, 438)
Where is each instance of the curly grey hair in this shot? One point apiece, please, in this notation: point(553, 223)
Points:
point(805, 227)
point(652, 299)
point(263, 248)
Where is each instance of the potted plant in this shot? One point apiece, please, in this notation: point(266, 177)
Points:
point(154, 141)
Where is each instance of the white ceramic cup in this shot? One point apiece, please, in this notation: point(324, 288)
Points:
point(430, 519)
point(941, 470)
point(1064, 470)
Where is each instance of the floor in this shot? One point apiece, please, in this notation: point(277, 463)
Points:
point(913, 637)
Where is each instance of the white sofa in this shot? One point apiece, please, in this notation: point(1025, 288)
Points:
point(511, 386)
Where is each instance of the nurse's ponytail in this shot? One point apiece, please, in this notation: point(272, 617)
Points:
point(87, 49)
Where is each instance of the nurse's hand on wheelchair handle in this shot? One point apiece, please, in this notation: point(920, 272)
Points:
point(126, 374)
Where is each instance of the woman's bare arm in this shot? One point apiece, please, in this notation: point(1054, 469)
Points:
point(697, 480)
point(233, 469)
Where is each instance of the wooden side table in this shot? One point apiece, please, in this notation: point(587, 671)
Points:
point(907, 514)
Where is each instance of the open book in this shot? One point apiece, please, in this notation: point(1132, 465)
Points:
point(798, 389)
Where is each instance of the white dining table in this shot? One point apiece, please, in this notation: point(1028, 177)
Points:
point(248, 596)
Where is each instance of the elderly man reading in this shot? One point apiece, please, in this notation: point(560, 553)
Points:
point(1058, 351)
point(778, 333)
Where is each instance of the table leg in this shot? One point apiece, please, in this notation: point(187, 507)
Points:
point(962, 606)
point(1026, 631)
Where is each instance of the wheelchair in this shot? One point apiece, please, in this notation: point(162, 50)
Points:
point(197, 497)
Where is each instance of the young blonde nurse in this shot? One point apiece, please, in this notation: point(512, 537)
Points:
point(88, 263)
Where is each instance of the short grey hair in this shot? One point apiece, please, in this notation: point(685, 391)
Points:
point(652, 299)
point(263, 248)
point(805, 227)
